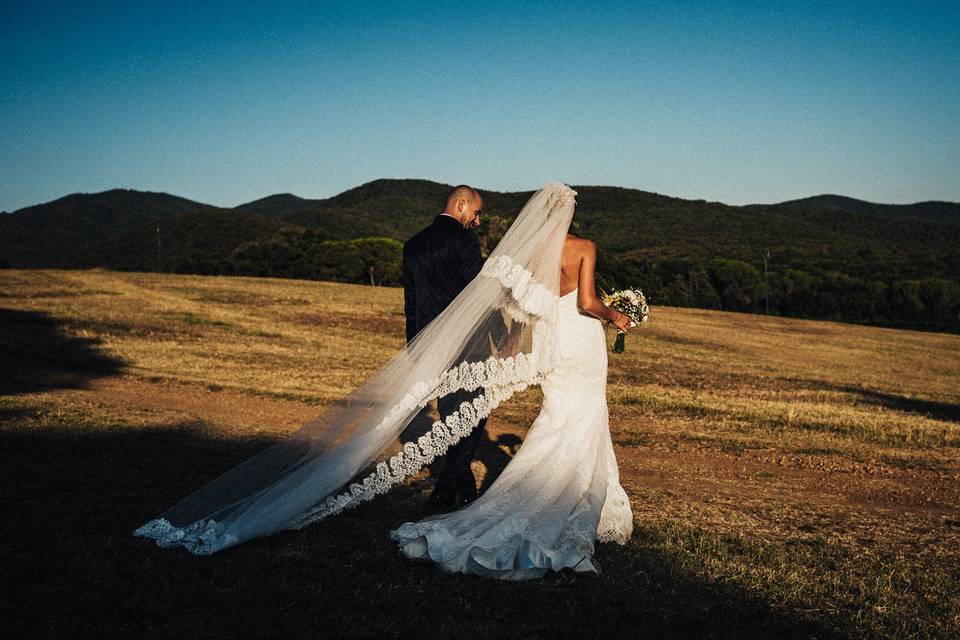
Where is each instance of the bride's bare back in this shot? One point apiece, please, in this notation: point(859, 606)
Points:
point(578, 271)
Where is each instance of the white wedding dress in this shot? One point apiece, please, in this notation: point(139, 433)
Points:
point(558, 494)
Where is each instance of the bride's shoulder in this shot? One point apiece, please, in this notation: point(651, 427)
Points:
point(580, 245)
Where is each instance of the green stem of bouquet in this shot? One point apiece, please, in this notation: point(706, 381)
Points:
point(620, 343)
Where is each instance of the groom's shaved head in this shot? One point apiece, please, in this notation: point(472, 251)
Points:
point(464, 191)
point(465, 204)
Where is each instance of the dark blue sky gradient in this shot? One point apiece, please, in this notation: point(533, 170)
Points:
point(224, 103)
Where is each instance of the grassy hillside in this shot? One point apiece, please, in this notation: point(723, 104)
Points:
point(789, 478)
point(825, 257)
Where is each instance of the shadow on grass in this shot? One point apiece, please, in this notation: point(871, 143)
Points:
point(38, 354)
point(494, 453)
point(72, 495)
point(936, 410)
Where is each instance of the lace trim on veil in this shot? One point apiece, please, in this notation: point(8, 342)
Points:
point(201, 537)
point(499, 378)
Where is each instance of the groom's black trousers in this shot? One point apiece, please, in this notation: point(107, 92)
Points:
point(461, 453)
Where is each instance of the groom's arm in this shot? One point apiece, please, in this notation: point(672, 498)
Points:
point(471, 265)
point(409, 300)
point(410, 311)
point(471, 261)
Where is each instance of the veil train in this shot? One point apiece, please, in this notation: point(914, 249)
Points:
point(498, 336)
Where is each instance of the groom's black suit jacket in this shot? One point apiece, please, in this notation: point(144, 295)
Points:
point(438, 262)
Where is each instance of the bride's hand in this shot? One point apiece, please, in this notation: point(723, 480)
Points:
point(623, 322)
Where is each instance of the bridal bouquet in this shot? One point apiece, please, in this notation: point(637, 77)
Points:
point(632, 303)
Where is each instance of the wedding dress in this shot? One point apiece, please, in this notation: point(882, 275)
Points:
point(561, 490)
point(507, 330)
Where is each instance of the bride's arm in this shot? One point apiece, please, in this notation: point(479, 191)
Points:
point(587, 297)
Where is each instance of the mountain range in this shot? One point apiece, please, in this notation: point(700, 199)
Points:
point(130, 229)
point(935, 210)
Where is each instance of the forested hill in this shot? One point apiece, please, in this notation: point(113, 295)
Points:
point(930, 210)
point(827, 256)
point(54, 233)
point(278, 204)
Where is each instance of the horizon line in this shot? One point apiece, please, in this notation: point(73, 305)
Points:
point(383, 179)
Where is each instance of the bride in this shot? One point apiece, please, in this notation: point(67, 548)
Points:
point(508, 329)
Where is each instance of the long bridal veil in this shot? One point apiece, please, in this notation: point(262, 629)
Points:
point(496, 338)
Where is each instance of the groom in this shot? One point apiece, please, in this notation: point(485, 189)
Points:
point(438, 262)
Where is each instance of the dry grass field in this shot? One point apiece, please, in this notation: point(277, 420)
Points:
point(789, 478)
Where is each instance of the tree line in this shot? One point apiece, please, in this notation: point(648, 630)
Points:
point(718, 283)
point(305, 254)
point(735, 285)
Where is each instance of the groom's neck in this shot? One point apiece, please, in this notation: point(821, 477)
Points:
point(452, 216)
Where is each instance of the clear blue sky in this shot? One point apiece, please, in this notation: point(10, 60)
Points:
point(227, 102)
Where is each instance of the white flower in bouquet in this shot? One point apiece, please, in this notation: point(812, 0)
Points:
point(633, 304)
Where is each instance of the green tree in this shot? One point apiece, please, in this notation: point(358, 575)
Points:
point(678, 293)
point(941, 298)
point(738, 283)
point(702, 291)
point(905, 300)
point(382, 259)
point(490, 232)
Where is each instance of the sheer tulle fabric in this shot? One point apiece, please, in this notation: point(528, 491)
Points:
point(499, 335)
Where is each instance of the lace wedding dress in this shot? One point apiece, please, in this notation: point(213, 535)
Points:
point(559, 493)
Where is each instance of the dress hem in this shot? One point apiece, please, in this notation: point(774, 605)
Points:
point(517, 558)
